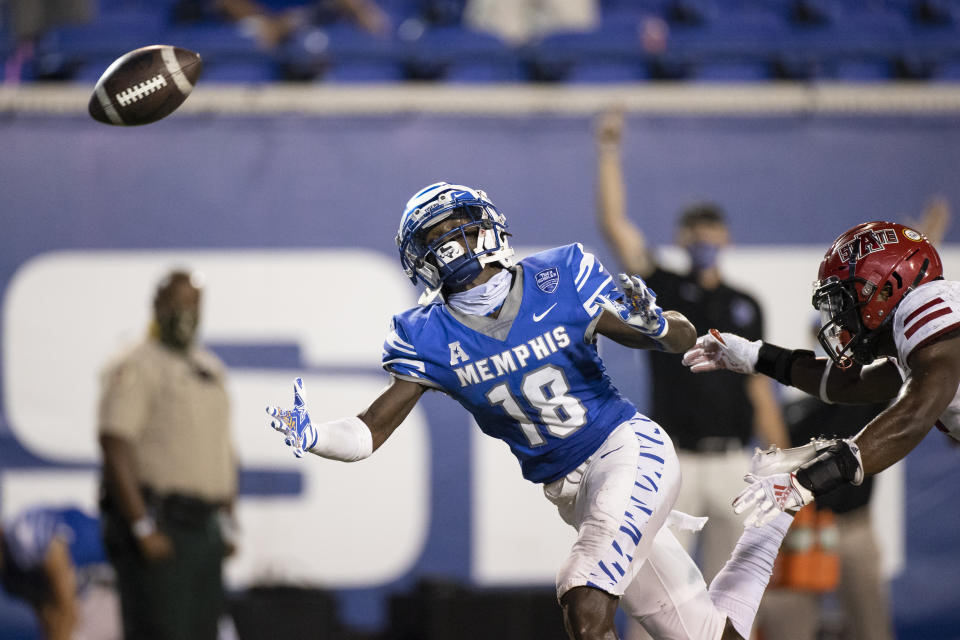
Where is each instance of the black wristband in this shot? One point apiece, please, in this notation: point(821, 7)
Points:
point(836, 466)
point(777, 362)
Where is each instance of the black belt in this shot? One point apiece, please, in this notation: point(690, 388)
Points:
point(180, 508)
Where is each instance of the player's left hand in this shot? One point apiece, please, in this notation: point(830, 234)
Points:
point(299, 433)
point(776, 460)
point(715, 350)
point(768, 496)
point(640, 308)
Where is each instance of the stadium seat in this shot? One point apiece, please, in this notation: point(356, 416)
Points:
point(731, 71)
point(556, 56)
point(342, 53)
point(737, 47)
point(110, 34)
point(460, 55)
point(947, 70)
point(228, 54)
point(612, 72)
point(860, 70)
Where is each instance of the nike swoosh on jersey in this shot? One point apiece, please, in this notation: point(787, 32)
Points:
point(537, 317)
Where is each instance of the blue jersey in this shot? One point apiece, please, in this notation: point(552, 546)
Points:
point(531, 376)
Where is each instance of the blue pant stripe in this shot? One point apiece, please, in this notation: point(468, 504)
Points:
point(605, 570)
point(635, 529)
point(644, 487)
point(654, 440)
point(650, 480)
point(633, 536)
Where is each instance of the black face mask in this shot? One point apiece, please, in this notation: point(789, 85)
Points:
point(178, 328)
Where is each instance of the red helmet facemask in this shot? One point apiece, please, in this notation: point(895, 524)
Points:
point(863, 277)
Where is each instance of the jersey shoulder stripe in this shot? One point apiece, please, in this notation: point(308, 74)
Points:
point(400, 356)
point(923, 320)
point(927, 313)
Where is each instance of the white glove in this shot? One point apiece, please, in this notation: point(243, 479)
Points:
point(640, 308)
point(715, 350)
point(776, 460)
point(768, 496)
point(295, 424)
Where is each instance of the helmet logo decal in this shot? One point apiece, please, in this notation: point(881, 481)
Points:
point(450, 251)
point(910, 234)
point(867, 243)
point(548, 279)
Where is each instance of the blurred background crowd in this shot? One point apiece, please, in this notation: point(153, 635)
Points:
point(496, 40)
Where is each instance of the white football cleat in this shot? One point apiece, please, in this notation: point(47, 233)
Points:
point(775, 460)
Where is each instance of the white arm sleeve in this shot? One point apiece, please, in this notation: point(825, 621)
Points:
point(346, 439)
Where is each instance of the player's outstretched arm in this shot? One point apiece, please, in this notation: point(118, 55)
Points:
point(797, 367)
point(928, 391)
point(347, 439)
point(932, 385)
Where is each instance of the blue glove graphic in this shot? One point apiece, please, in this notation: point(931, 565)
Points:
point(295, 424)
point(639, 308)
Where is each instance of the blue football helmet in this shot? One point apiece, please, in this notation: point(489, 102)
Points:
point(443, 262)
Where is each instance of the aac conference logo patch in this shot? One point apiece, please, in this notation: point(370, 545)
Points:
point(548, 279)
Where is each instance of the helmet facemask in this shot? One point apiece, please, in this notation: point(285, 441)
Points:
point(476, 237)
point(842, 334)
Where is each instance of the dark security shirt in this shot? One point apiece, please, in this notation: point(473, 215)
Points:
point(694, 406)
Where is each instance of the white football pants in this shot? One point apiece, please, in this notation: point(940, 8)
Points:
point(619, 501)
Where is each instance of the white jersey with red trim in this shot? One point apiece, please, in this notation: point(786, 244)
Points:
point(927, 313)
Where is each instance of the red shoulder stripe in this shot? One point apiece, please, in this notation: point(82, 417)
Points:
point(921, 309)
point(933, 315)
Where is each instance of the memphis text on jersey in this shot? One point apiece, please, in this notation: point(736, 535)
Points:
point(507, 361)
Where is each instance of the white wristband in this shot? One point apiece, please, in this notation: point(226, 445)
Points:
point(823, 382)
point(143, 527)
point(346, 439)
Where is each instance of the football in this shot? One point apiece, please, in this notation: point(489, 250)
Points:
point(145, 85)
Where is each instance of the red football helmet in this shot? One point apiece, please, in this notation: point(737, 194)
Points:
point(863, 277)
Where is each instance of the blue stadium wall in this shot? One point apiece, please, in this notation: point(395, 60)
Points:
point(237, 188)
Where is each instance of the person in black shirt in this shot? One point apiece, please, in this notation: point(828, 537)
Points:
point(715, 416)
